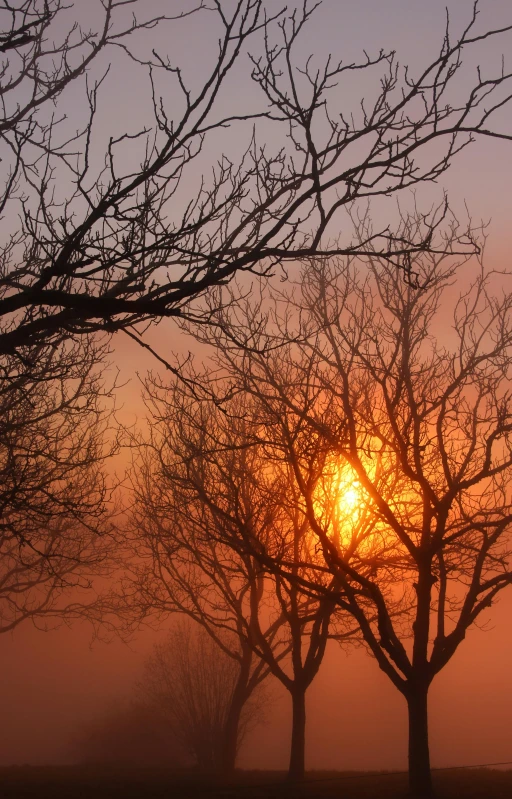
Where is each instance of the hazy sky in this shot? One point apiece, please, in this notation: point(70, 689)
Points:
point(52, 682)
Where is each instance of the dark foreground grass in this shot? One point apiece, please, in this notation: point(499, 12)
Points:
point(80, 782)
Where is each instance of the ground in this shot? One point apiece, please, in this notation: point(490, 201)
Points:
point(74, 782)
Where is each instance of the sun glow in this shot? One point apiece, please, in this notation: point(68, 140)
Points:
point(341, 504)
point(348, 493)
point(349, 498)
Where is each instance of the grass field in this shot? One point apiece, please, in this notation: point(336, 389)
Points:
point(76, 782)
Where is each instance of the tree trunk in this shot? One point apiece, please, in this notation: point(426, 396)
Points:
point(231, 732)
point(230, 738)
point(420, 778)
point(298, 746)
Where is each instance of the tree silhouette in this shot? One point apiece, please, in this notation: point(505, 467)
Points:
point(204, 488)
point(414, 420)
point(190, 682)
point(177, 564)
point(103, 245)
point(55, 434)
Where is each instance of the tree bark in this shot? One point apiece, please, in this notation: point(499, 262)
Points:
point(231, 732)
point(230, 741)
point(298, 745)
point(420, 777)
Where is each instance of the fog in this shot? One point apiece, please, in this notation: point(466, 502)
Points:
point(53, 683)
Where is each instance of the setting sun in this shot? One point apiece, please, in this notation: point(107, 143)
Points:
point(340, 501)
point(349, 495)
point(350, 498)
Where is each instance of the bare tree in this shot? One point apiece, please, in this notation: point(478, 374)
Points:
point(418, 419)
point(177, 564)
point(191, 682)
point(55, 435)
point(102, 245)
point(43, 52)
point(205, 488)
